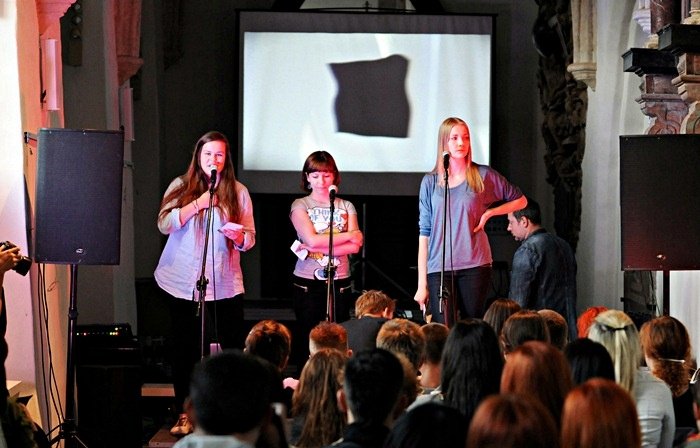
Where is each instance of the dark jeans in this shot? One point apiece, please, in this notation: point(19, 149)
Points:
point(466, 292)
point(309, 299)
point(223, 323)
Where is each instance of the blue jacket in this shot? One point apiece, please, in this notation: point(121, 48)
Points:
point(544, 276)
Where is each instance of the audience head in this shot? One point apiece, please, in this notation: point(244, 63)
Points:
point(314, 398)
point(557, 327)
point(410, 388)
point(429, 425)
point(328, 335)
point(512, 421)
point(582, 425)
point(539, 370)
point(666, 348)
point(374, 303)
point(617, 333)
point(499, 311)
point(522, 326)
point(271, 341)
point(588, 359)
point(405, 337)
point(471, 365)
point(371, 385)
point(230, 393)
point(584, 321)
point(435, 336)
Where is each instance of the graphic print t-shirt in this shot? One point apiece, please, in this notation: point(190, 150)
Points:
point(320, 218)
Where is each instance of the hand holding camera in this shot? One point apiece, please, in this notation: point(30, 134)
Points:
point(11, 258)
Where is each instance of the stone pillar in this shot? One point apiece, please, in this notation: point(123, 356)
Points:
point(584, 35)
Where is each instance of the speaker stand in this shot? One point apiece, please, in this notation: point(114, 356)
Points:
point(68, 430)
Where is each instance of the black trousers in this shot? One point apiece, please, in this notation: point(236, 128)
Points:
point(223, 323)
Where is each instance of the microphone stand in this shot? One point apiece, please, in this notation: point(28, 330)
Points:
point(330, 267)
point(203, 281)
point(444, 299)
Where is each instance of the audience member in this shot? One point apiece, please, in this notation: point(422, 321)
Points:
point(499, 311)
point(272, 341)
point(585, 319)
point(372, 309)
point(693, 440)
point(557, 327)
point(410, 387)
point(666, 348)
point(471, 366)
point(582, 425)
point(229, 401)
point(405, 337)
point(539, 370)
point(588, 359)
point(328, 335)
point(435, 336)
point(317, 421)
point(371, 385)
point(618, 334)
point(522, 326)
point(427, 426)
point(512, 421)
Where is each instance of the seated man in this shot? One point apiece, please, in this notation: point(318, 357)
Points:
point(372, 309)
point(371, 385)
point(229, 401)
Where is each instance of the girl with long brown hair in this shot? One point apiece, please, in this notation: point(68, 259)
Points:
point(183, 217)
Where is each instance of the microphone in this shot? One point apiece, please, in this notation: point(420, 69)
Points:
point(332, 190)
point(213, 177)
point(445, 160)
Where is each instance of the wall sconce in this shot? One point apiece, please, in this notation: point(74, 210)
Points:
point(49, 73)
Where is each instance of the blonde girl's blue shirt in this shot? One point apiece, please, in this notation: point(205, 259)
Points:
point(464, 249)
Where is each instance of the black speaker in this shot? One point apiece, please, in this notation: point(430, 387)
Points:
point(78, 196)
point(660, 202)
point(109, 412)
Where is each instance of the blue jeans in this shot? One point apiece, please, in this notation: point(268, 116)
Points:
point(466, 291)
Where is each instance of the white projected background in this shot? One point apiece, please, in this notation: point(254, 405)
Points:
point(289, 92)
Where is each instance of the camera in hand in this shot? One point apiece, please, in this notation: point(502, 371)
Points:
point(23, 264)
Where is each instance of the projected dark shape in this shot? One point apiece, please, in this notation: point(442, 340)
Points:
point(372, 97)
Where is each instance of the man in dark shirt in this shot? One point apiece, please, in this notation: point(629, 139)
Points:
point(544, 267)
point(372, 309)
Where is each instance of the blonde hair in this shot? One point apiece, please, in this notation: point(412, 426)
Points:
point(616, 331)
point(474, 180)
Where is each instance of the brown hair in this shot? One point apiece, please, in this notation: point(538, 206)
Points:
point(405, 337)
point(557, 326)
point(373, 302)
point(315, 399)
point(665, 340)
point(499, 311)
point(195, 182)
point(522, 326)
point(435, 337)
point(539, 370)
point(270, 340)
point(582, 425)
point(512, 421)
point(319, 161)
